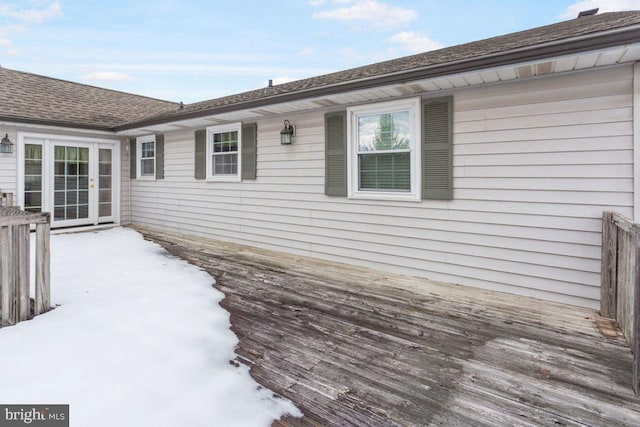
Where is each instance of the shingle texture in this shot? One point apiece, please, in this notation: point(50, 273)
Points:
point(28, 96)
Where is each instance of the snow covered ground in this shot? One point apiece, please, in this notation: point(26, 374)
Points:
point(138, 340)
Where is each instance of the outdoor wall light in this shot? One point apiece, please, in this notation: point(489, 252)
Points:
point(286, 134)
point(6, 146)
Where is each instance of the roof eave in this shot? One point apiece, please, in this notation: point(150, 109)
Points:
point(56, 123)
point(513, 56)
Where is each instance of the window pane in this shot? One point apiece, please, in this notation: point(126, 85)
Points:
point(385, 171)
point(105, 182)
point(105, 209)
point(58, 167)
point(83, 154)
point(32, 199)
point(72, 153)
point(225, 164)
point(72, 197)
point(32, 152)
point(83, 197)
point(59, 152)
point(58, 198)
point(32, 182)
point(148, 149)
point(72, 212)
point(33, 167)
point(83, 169)
point(58, 213)
point(32, 177)
point(225, 142)
point(147, 167)
point(389, 131)
point(105, 168)
point(83, 211)
point(105, 155)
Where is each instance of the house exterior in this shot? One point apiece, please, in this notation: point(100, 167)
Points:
point(487, 164)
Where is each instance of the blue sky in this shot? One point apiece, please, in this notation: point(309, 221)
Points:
point(189, 51)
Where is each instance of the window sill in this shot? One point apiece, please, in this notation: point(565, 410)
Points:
point(391, 197)
point(146, 178)
point(234, 178)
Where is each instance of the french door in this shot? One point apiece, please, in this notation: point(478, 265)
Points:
point(71, 178)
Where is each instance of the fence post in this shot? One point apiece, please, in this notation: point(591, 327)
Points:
point(635, 347)
point(608, 281)
point(22, 272)
point(43, 290)
point(7, 279)
point(5, 288)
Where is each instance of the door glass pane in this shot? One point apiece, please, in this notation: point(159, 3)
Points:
point(71, 183)
point(105, 182)
point(33, 177)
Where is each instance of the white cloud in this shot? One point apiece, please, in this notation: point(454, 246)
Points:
point(371, 12)
point(30, 15)
point(316, 2)
point(604, 6)
point(306, 51)
point(414, 42)
point(16, 20)
point(106, 76)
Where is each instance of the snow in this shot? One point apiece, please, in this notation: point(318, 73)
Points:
point(138, 339)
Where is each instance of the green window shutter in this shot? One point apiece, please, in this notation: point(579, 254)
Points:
point(437, 148)
point(335, 144)
point(159, 156)
point(249, 150)
point(133, 160)
point(201, 154)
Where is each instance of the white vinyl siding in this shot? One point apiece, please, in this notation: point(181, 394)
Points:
point(535, 164)
point(125, 199)
point(8, 171)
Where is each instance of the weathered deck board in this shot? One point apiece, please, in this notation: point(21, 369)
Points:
point(352, 346)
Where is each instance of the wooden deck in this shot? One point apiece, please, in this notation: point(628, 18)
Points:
point(353, 346)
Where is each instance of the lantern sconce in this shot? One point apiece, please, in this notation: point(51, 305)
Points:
point(6, 146)
point(286, 134)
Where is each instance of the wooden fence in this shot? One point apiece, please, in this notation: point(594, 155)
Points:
point(620, 283)
point(15, 302)
point(6, 200)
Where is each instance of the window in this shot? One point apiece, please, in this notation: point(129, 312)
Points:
point(384, 150)
point(32, 177)
point(146, 149)
point(223, 152)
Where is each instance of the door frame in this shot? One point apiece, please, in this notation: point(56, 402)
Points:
point(47, 170)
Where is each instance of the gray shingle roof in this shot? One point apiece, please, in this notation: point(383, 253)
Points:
point(29, 97)
point(575, 28)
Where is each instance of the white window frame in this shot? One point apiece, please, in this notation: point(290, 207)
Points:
point(139, 141)
point(413, 107)
point(211, 130)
